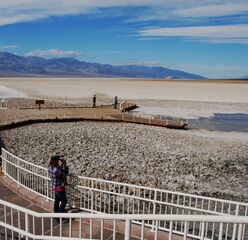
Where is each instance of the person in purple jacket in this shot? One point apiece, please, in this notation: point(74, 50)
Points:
point(58, 171)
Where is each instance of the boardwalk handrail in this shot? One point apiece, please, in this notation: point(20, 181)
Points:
point(26, 222)
point(113, 117)
point(102, 196)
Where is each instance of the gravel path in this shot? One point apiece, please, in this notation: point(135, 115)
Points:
point(139, 154)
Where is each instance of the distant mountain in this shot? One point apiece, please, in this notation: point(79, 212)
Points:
point(14, 65)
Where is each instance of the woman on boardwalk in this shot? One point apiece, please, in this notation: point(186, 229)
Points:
point(58, 171)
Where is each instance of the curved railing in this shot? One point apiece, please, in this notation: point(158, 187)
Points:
point(18, 223)
point(101, 196)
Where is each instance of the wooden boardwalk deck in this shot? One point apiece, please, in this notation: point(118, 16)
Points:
point(15, 116)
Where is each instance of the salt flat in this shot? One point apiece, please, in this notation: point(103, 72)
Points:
point(188, 99)
point(132, 88)
point(6, 92)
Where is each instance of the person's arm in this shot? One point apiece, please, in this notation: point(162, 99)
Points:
point(64, 167)
point(66, 170)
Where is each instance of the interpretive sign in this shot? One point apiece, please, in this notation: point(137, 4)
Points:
point(39, 102)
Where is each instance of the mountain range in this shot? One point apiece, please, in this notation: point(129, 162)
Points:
point(15, 66)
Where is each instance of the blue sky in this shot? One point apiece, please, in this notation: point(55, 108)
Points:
point(207, 37)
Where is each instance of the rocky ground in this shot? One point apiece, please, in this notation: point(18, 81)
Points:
point(138, 154)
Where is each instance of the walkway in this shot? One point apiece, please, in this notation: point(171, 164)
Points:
point(97, 233)
point(102, 113)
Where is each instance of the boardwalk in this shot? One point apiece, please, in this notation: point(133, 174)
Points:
point(78, 228)
point(10, 116)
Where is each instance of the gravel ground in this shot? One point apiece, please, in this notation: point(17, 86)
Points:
point(138, 154)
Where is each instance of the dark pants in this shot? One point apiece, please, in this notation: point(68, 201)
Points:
point(60, 202)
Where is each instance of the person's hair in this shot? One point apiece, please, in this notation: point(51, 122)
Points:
point(54, 161)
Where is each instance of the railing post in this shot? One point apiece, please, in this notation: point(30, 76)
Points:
point(171, 230)
point(202, 230)
point(127, 229)
point(26, 225)
point(3, 161)
point(92, 195)
point(240, 232)
point(235, 225)
point(221, 232)
point(73, 191)
point(186, 228)
point(47, 188)
point(18, 173)
point(154, 211)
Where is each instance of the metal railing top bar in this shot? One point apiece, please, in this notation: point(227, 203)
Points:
point(24, 161)
point(152, 201)
point(157, 217)
point(164, 191)
point(29, 235)
point(28, 171)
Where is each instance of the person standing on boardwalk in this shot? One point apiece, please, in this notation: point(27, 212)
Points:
point(115, 102)
point(58, 171)
point(94, 101)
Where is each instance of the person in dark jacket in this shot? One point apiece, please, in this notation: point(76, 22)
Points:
point(58, 172)
point(94, 101)
point(115, 102)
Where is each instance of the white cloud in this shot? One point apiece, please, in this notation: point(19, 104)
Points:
point(212, 10)
point(53, 53)
point(193, 10)
point(145, 63)
point(14, 11)
point(220, 40)
point(214, 34)
point(148, 39)
point(176, 11)
point(4, 47)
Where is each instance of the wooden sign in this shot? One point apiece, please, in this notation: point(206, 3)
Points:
point(39, 102)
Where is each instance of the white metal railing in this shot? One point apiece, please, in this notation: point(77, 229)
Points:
point(27, 174)
point(101, 196)
point(19, 223)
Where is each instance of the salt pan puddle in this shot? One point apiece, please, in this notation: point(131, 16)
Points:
point(7, 93)
point(225, 122)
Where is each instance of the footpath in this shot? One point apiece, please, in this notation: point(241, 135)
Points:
point(51, 228)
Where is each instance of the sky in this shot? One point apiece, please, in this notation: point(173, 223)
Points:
point(206, 37)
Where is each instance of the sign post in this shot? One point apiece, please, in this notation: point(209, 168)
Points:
point(39, 102)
